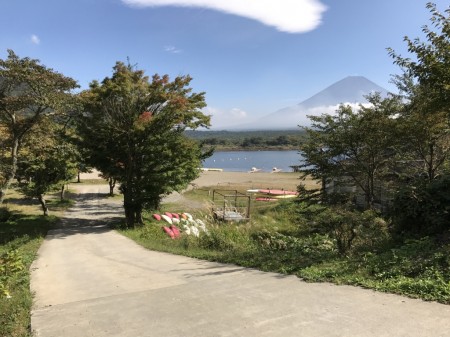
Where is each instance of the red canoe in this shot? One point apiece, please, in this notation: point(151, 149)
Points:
point(175, 231)
point(169, 232)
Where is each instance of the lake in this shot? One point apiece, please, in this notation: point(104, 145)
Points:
point(243, 161)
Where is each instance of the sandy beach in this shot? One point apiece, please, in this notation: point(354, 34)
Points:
point(215, 179)
point(266, 180)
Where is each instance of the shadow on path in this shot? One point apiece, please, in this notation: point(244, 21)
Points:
point(93, 212)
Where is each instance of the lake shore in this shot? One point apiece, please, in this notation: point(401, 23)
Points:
point(265, 180)
point(216, 179)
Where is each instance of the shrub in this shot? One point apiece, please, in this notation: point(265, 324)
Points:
point(287, 253)
point(423, 208)
point(323, 272)
point(5, 214)
point(10, 264)
point(372, 232)
point(224, 238)
point(346, 227)
point(414, 258)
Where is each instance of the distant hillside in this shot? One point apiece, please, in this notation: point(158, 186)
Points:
point(250, 140)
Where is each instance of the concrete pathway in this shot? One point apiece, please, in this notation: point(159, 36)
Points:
point(91, 281)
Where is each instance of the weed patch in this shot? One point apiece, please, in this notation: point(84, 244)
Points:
point(20, 238)
point(277, 240)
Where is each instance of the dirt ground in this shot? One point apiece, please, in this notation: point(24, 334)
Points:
point(261, 180)
point(231, 180)
point(237, 180)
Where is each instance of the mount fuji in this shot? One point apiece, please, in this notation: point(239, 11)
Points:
point(350, 90)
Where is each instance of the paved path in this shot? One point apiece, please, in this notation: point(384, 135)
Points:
point(91, 281)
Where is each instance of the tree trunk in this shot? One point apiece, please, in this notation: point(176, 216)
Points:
point(431, 163)
point(12, 172)
point(43, 204)
point(130, 216)
point(112, 184)
point(129, 196)
point(63, 188)
point(78, 177)
point(128, 205)
point(369, 193)
point(138, 214)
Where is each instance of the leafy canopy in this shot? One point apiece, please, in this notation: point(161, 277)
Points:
point(29, 93)
point(134, 128)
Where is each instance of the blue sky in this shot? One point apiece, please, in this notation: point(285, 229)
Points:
point(251, 57)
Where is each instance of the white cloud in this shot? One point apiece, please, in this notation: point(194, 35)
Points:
point(238, 114)
point(331, 109)
point(302, 116)
point(225, 118)
point(292, 16)
point(35, 39)
point(172, 49)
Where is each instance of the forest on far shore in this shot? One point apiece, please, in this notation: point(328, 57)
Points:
point(249, 140)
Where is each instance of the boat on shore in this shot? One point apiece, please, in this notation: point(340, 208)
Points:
point(272, 194)
point(277, 192)
point(254, 169)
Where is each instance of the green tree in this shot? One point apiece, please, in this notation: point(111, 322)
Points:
point(421, 204)
point(252, 142)
point(422, 208)
point(425, 142)
point(355, 145)
point(430, 66)
point(29, 92)
point(134, 129)
point(48, 164)
point(425, 84)
point(4, 153)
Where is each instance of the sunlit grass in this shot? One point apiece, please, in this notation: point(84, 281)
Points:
point(22, 230)
point(272, 241)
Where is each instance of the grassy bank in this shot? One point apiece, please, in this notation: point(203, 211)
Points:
point(22, 230)
point(275, 241)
